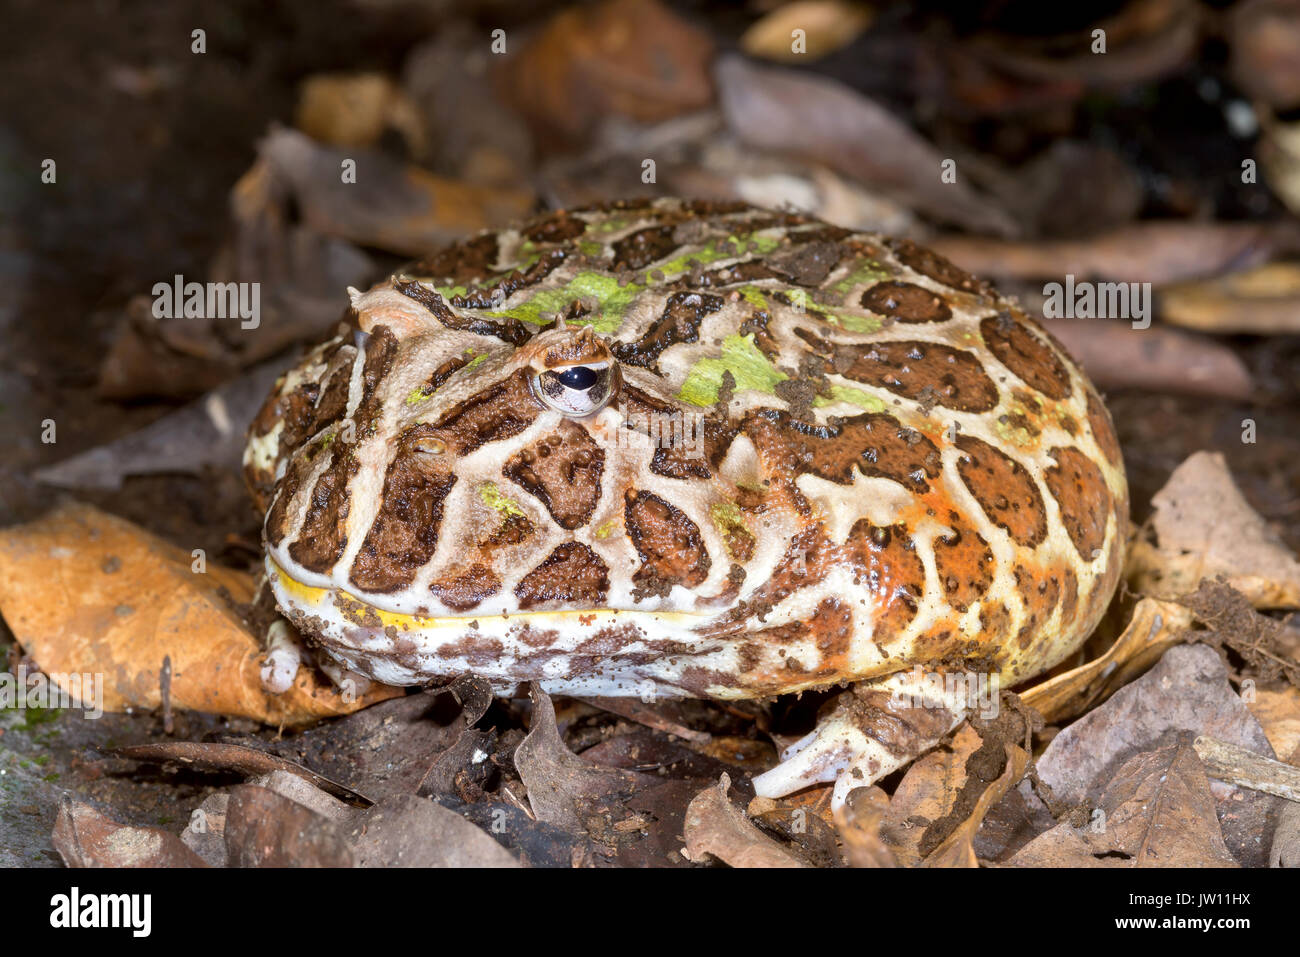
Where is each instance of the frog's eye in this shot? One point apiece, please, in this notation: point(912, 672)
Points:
point(577, 390)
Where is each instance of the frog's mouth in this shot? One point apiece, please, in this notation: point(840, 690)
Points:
point(595, 651)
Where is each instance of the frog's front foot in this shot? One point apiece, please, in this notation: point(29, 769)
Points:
point(866, 732)
point(286, 653)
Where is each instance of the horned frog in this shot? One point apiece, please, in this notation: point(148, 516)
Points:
point(671, 448)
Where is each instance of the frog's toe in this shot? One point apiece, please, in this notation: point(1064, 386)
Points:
point(871, 729)
point(284, 654)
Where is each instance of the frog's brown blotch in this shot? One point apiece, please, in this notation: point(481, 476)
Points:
point(950, 377)
point(885, 561)
point(404, 534)
point(1085, 502)
point(679, 322)
point(1004, 489)
point(463, 591)
point(933, 266)
point(320, 542)
point(571, 575)
point(874, 443)
point(503, 409)
point(670, 545)
point(639, 249)
point(1021, 351)
point(562, 470)
point(906, 302)
point(964, 562)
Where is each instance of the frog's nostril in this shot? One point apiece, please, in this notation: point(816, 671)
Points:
point(578, 377)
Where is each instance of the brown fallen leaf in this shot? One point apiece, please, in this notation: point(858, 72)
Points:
point(1154, 252)
point(1187, 693)
point(401, 209)
point(1156, 359)
point(1154, 628)
point(389, 749)
point(89, 593)
point(85, 837)
point(631, 58)
point(634, 817)
point(825, 122)
point(1278, 712)
point(1145, 40)
point(355, 109)
point(927, 793)
point(1204, 528)
point(1156, 811)
point(1264, 38)
point(220, 756)
point(266, 829)
point(1264, 300)
point(1285, 851)
point(858, 822)
point(1279, 156)
point(450, 78)
point(207, 432)
point(558, 781)
point(717, 828)
point(957, 849)
point(826, 25)
point(410, 831)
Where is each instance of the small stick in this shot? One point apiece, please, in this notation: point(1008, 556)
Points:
point(165, 689)
point(1235, 765)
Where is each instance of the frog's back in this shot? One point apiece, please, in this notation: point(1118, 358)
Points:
point(813, 455)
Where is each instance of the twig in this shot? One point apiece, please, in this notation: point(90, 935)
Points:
point(1246, 769)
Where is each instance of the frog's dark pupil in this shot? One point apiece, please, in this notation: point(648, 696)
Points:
point(577, 377)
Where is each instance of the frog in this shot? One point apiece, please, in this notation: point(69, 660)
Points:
point(673, 448)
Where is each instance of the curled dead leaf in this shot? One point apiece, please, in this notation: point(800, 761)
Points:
point(825, 26)
point(89, 593)
point(1204, 528)
point(1155, 627)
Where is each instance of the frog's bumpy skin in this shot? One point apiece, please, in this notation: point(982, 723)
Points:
point(826, 456)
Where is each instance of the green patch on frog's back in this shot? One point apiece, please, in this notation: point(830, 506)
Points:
point(612, 301)
point(748, 367)
point(844, 393)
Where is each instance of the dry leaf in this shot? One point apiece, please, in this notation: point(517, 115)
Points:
point(355, 109)
point(1204, 528)
point(1278, 712)
point(410, 831)
point(826, 122)
point(402, 209)
point(88, 593)
point(1156, 811)
point(957, 849)
point(1187, 693)
point(207, 432)
point(1155, 252)
point(716, 827)
point(1264, 36)
point(86, 838)
point(1260, 301)
point(1155, 359)
point(1154, 628)
point(826, 25)
point(631, 58)
point(927, 793)
point(858, 822)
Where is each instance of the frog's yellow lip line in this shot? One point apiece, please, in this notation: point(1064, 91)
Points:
point(313, 596)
